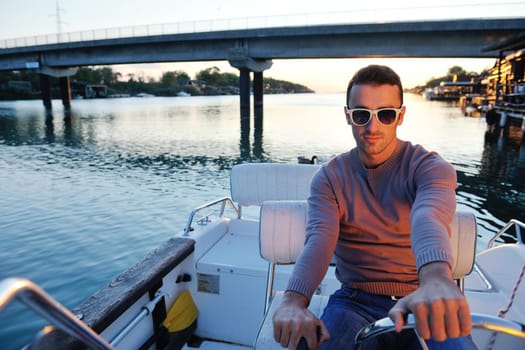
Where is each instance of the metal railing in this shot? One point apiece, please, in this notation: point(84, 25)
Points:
point(36, 299)
point(205, 219)
point(145, 311)
point(518, 225)
point(385, 15)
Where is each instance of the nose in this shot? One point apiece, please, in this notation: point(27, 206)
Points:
point(373, 123)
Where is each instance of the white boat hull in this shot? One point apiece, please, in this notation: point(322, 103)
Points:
point(217, 259)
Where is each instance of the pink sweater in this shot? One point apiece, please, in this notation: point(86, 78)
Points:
point(381, 224)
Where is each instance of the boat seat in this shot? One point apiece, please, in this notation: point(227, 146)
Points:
point(282, 231)
point(463, 235)
point(227, 276)
point(253, 183)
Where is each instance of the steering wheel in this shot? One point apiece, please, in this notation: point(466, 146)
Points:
point(487, 322)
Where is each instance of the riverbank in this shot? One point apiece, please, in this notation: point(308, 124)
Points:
point(103, 82)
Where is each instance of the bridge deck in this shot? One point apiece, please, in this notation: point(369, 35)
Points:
point(451, 38)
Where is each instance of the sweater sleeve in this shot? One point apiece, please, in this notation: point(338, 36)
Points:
point(433, 210)
point(321, 237)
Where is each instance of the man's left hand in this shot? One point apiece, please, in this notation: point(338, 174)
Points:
point(440, 310)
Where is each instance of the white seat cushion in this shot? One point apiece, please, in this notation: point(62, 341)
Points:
point(463, 240)
point(282, 230)
point(254, 183)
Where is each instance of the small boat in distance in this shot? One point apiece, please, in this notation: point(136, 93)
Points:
point(453, 90)
point(144, 94)
point(214, 284)
point(473, 105)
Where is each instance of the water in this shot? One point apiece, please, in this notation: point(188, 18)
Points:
point(85, 194)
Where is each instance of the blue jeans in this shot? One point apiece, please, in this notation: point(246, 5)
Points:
point(349, 310)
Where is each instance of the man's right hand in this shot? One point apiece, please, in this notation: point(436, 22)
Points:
point(292, 320)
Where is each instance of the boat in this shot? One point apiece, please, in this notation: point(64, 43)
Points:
point(214, 284)
point(429, 94)
point(144, 94)
point(183, 94)
point(473, 105)
point(453, 90)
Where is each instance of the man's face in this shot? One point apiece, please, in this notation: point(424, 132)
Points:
point(375, 141)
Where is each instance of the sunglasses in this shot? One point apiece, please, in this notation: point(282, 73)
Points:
point(362, 116)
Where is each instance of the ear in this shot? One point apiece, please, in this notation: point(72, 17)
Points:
point(348, 121)
point(401, 115)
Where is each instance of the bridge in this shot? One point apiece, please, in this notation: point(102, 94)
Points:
point(252, 50)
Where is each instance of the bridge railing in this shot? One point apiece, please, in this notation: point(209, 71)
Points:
point(487, 10)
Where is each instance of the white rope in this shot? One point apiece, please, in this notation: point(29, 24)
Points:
point(503, 312)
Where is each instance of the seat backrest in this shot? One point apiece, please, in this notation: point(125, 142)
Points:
point(254, 183)
point(463, 240)
point(282, 232)
point(282, 229)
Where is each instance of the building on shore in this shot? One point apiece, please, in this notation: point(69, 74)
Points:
point(88, 90)
point(506, 94)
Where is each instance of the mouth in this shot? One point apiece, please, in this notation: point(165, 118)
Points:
point(371, 138)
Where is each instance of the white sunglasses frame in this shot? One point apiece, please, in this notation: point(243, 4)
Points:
point(350, 120)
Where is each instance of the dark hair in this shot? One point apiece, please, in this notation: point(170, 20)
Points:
point(375, 74)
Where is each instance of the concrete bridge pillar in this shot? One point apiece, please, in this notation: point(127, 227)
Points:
point(258, 92)
point(239, 59)
point(244, 92)
point(63, 75)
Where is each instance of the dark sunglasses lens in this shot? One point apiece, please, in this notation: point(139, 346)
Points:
point(387, 116)
point(361, 117)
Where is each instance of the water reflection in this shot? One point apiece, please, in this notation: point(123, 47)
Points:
point(39, 127)
point(50, 129)
point(162, 142)
point(257, 148)
point(71, 137)
point(256, 153)
point(73, 129)
point(498, 187)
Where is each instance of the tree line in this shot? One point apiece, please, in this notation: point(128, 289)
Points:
point(208, 81)
point(455, 73)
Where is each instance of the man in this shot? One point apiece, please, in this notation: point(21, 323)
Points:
point(383, 210)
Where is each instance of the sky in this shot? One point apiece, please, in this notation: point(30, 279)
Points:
point(28, 18)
